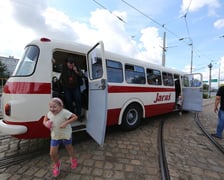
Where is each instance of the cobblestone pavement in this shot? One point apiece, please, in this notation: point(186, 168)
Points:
point(134, 155)
point(190, 154)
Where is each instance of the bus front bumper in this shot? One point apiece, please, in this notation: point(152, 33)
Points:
point(9, 129)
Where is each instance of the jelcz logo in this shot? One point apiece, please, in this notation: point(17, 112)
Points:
point(162, 97)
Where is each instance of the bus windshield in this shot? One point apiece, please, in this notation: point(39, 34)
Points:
point(27, 64)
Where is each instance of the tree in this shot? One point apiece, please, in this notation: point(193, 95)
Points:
point(3, 70)
point(205, 87)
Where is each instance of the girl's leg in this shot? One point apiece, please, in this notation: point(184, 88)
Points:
point(55, 159)
point(70, 150)
point(71, 153)
point(54, 153)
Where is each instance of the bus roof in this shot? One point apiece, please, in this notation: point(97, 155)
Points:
point(83, 49)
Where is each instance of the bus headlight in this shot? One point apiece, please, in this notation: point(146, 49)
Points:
point(8, 109)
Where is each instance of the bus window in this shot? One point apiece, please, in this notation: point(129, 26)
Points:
point(167, 79)
point(27, 64)
point(176, 76)
point(153, 77)
point(97, 71)
point(186, 81)
point(134, 74)
point(114, 71)
point(193, 80)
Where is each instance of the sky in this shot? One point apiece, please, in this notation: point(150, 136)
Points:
point(194, 29)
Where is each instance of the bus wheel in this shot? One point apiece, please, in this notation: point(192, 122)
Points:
point(132, 117)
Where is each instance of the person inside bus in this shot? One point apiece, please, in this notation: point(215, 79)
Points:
point(70, 80)
point(178, 94)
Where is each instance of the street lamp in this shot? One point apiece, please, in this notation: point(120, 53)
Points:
point(191, 44)
point(210, 78)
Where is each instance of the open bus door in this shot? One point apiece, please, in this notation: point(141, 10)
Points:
point(192, 88)
point(97, 105)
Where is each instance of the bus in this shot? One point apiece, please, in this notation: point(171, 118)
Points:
point(117, 90)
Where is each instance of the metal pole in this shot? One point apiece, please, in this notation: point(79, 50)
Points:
point(164, 50)
point(210, 78)
point(192, 50)
point(219, 75)
point(191, 56)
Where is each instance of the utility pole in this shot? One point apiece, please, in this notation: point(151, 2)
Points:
point(164, 50)
point(210, 78)
point(192, 51)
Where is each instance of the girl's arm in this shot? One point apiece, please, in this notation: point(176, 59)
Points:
point(72, 118)
point(47, 123)
point(45, 119)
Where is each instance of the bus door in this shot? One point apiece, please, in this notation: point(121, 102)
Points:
point(192, 88)
point(97, 105)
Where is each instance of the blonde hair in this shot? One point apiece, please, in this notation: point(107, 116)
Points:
point(58, 101)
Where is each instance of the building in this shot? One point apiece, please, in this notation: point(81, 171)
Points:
point(10, 63)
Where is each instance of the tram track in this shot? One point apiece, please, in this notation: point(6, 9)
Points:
point(207, 134)
point(162, 154)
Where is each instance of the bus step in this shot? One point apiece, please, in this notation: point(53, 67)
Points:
point(78, 128)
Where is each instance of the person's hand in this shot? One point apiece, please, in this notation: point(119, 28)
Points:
point(48, 124)
point(215, 109)
point(63, 124)
point(75, 69)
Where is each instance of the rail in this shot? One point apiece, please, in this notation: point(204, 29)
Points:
point(218, 145)
point(162, 154)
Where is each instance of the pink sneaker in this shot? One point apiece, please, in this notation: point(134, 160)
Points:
point(74, 163)
point(56, 169)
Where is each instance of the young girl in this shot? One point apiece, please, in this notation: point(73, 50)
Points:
point(58, 121)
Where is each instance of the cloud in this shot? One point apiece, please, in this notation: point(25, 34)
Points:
point(34, 20)
point(29, 14)
point(219, 24)
point(12, 34)
point(151, 45)
point(195, 5)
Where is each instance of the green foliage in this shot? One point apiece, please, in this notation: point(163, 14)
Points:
point(3, 70)
point(205, 87)
point(205, 96)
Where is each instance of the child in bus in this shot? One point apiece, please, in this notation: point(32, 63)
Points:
point(58, 121)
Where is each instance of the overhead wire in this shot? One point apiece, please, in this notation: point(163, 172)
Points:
point(148, 17)
point(118, 17)
point(165, 28)
point(155, 21)
point(185, 18)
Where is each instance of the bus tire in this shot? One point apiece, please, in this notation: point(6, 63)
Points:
point(131, 117)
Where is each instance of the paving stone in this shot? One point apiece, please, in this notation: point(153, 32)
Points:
point(131, 155)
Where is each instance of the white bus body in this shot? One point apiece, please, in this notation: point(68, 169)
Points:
point(117, 91)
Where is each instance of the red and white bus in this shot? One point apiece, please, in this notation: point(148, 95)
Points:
point(118, 90)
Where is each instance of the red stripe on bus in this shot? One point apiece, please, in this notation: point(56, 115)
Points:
point(35, 129)
point(27, 88)
point(125, 89)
